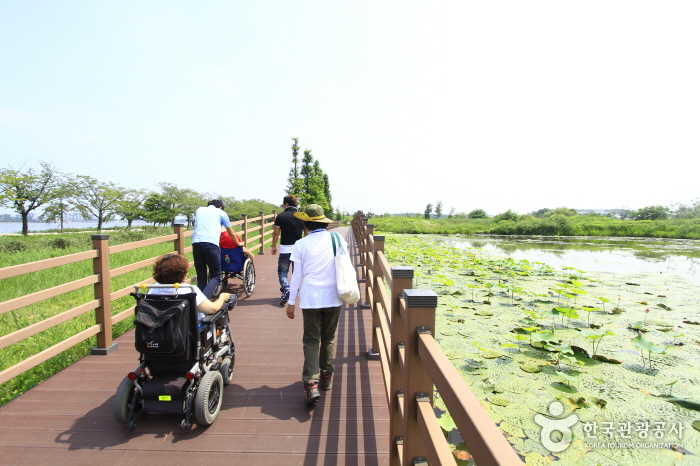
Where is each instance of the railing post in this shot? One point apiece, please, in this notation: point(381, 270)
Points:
point(373, 352)
point(244, 217)
point(179, 243)
point(103, 314)
point(420, 318)
point(262, 233)
point(401, 279)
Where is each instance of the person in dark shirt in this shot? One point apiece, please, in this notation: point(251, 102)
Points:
point(290, 229)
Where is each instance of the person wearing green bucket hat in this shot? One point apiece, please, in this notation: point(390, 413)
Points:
point(314, 286)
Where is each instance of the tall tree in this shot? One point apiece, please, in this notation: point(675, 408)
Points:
point(25, 191)
point(316, 191)
point(438, 209)
point(295, 183)
point(428, 211)
point(56, 210)
point(130, 206)
point(327, 193)
point(307, 173)
point(158, 209)
point(97, 199)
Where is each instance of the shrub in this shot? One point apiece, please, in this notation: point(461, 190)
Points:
point(12, 246)
point(60, 243)
point(477, 213)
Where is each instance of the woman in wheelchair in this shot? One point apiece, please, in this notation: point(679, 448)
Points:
point(173, 269)
point(186, 350)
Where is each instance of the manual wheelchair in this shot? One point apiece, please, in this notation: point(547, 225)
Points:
point(184, 361)
point(235, 264)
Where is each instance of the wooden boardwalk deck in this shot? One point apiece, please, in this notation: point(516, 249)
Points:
point(67, 419)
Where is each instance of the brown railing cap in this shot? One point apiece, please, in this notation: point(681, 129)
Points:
point(402, 272)
point(378, 237)
point(417, 297)
point(178, 224)
point(99, 236)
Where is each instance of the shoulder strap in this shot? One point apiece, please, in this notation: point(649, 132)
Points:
point(334, 240)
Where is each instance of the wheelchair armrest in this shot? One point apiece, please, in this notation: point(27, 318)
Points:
point(209, 318)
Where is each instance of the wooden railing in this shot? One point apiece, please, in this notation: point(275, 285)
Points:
point(413, 363)
point(254, 230)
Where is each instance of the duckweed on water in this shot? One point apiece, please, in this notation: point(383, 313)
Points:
point(524, 334)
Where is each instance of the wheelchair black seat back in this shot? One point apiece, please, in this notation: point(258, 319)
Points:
point(184, 361)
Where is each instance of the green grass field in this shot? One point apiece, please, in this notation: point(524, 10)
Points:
point(556, 225)
point(19, 250)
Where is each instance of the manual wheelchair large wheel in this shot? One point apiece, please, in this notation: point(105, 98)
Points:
point(207, 401)
point(248, 277)
point(126, 405)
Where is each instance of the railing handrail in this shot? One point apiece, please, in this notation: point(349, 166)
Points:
point(412, 359)
point(100, 278)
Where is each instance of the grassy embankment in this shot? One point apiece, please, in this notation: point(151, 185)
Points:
point(558, 225)
point(19, 250)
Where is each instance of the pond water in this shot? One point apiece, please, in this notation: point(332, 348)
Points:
point(608, 328)
point(614, 255)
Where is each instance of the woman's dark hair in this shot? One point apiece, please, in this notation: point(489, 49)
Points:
point(290, 200)
point(170, 269)
point(311, 226)
point(216, 203)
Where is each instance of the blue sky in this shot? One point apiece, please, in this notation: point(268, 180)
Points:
point(479, 104)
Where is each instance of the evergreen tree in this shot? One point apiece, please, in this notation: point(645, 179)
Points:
point(428, 211)
point(327, 192)
point(307, 168)
point(294, 181)
point(438, 209)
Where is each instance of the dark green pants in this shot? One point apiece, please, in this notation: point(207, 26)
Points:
point(320, 326)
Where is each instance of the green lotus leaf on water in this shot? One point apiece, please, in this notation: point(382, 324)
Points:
point(696, 425)
point(484, 313)
point(446, 422)
point(498, 401)
point(564, 387)
point(535, 459)
point(490, 354)
point(531, 367)
point(512, 430)
point(644, 344)
point(683, 403)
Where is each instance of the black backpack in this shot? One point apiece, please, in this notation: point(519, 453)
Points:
point(163, 326)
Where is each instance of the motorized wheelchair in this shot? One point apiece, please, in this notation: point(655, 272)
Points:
point(184, 361)
point(235, 264)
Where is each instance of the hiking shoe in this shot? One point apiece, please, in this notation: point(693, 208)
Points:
point(284, 298)
point(312, 393)
point(326, 382)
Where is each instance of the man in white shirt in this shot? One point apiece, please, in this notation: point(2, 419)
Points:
point(314, 285)
point(205, 244)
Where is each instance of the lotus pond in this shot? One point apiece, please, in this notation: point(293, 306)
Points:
point(610, 329)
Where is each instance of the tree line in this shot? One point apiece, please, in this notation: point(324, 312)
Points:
point(56, 195)
point(656, 212)
point(308, 182)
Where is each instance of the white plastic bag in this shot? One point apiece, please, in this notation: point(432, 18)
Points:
point(345, 274)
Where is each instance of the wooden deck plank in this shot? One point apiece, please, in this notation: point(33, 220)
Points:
point(67, 419)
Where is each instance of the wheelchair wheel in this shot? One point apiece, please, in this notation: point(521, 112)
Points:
point(207, 401)
point(125, 404)
point(226, 370)
point(248, 277)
